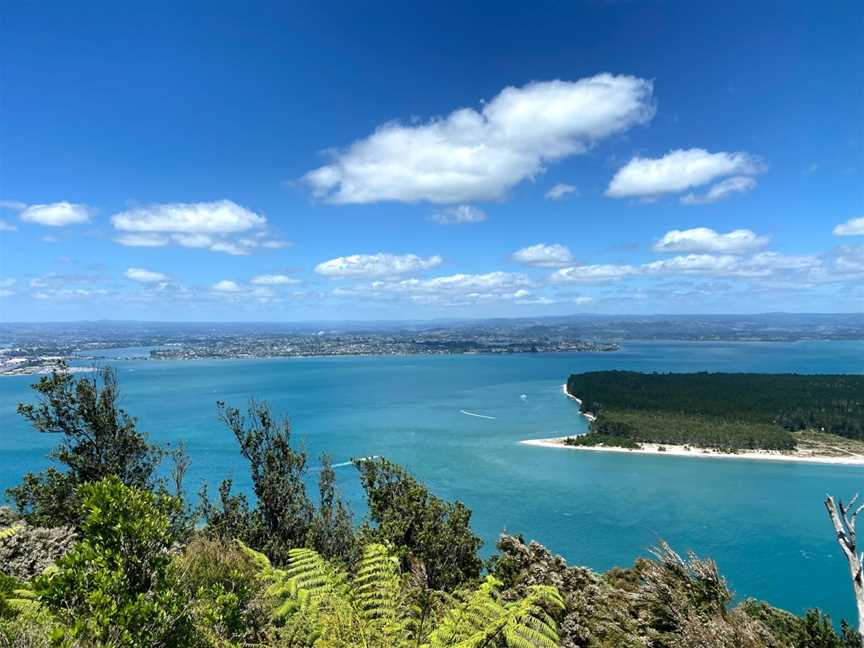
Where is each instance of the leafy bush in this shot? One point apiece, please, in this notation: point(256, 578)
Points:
point(98, 439)
point(114, 588)
point(421, 526)
point(221, 582)
point(284, 516)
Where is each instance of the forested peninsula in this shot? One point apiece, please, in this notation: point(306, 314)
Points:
point(724, 412)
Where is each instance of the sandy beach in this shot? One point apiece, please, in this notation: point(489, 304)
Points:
point(700, 453)
point(587, 415)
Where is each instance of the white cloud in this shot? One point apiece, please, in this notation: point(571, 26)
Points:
point(678, 171)
point(721, 190)
point(472, 155)
point(141, 240)
point(228, 247)
point(592, 273)
point(14, 205)
point(276, 245)
point(852, 227)
point(145, 276)
point(458, 289)
point(762, 264)
point(7, 282)
point(56, 214)
point(273, 280)
point(218, 217)
point(544, 256)
point(458, 215)
point(7, 227)
point(849, 259)
point(560, 190)
point(777, 261)
point(226, 286)
point(703, 239)
point(193, 240)
point(214, 226)
point(700, 264)
point(376, 265)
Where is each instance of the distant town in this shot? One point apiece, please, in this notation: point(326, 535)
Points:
point(32, 348)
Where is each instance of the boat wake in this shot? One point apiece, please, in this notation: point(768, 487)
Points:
point(352, 462)
point(483, 416)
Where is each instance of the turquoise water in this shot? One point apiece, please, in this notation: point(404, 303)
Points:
point(764, 523)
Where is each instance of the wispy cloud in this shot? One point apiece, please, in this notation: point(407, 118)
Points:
point(544, 255)
point(560, 190)
point(459, 215)
point(57, 214)
point(376, 265)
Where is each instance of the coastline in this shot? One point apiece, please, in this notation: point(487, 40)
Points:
point(587, 415)
point(702, 453)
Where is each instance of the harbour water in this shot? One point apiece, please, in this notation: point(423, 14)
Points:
point(455, 421)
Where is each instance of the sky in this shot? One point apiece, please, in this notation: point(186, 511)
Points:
point(324, 160)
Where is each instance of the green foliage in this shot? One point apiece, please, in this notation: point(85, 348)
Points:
point(331, 532)
point(421, 526)
point(284, 516)
point(597, 439)
point(813, 630)
point(321, 606)
point(684, 429)
point(98, 439)
point(25, 631)
point(8, 532)
point(829, 403)
point(221, 581)
point(114, 588)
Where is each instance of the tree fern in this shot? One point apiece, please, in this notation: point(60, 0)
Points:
point(319, 605)
point(482, 620)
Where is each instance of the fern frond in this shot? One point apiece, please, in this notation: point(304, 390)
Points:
point(8, 532)
point(261, 562)
point(482, 619)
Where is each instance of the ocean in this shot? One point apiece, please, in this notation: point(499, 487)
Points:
point(455, 422)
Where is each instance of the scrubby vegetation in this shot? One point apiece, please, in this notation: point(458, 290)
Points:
point(628, 429)
point(712, 410)
point(123, 561)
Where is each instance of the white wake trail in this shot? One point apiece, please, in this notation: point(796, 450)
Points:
point(483, 416)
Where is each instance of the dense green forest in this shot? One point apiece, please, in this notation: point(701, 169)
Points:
point(717, 410)
point(101, 550)
point(628, 428)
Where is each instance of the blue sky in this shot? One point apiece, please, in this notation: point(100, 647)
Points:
point(295, 161)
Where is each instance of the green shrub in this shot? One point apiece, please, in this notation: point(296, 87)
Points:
point(114, 588)
point(222, 583)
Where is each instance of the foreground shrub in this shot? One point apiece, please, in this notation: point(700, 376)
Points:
point(422, 527)
point(222, 583)
point(284, 516)
point(97, 439)
point(114, 588)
